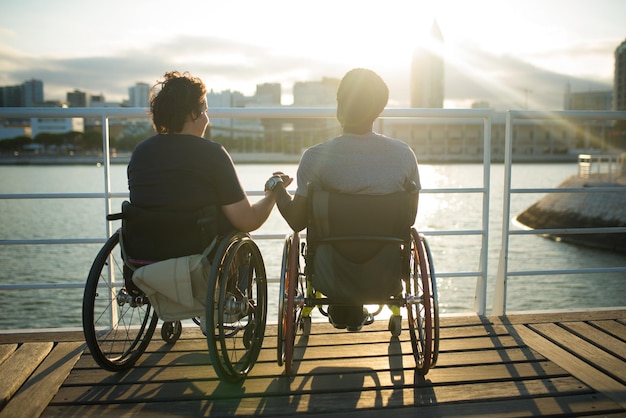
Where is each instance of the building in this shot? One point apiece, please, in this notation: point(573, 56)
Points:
point(533, 140)
point(56, 125)
point(33, 92)
point(236, 133)
point(587, 100)
point(11, 96)
point(27, 94)
point(139, 95)
point(316, 93)
point(78, 98)
point(619, 82)
point(268, 94)
point(427, 72)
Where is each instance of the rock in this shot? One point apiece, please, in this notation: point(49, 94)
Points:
point(582, 210)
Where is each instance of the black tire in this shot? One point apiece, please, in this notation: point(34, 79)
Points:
point(434, 304)
point(236, 307)
point(289, 312)
point(171, 331)
point(118, 326)
point(419, 308)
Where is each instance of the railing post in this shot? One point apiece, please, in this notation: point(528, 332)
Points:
point(499, 298)
point(107, 171)
point(480, 299)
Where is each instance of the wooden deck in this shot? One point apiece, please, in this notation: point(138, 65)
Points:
point(557, 364)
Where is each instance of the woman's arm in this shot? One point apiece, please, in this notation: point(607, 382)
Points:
point(247, 217)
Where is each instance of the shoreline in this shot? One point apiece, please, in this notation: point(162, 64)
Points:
point(267, 158)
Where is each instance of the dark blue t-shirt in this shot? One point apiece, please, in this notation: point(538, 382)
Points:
point(183, 173)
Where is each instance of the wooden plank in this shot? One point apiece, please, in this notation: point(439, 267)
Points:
point(599, 338)
point(42, 336)
point(19, 366)
point(78, 389)
point(6, 350)
point(560, 316)
point(35, 395)
point(574, 405)
point(577, 405)
point(614, 328)
point(312, 395)
point(578, 368)
point(583, 349)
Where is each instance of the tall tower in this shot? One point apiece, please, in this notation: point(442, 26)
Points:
point(619, 82)
point(427, 72)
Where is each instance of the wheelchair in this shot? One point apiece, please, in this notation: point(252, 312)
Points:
point(119, 320)
point(357, 240)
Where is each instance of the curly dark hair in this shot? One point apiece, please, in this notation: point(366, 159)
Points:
point(173, 99)
point(361, 97)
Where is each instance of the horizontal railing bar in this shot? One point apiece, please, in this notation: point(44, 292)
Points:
point(62, 195)
point(609, 230)
point(52, 241)
point(429, 233)
point(81, 285)
point(126, 194)
point(39, 286)
point(572, 190)
point(569, 271)
point(567, 114)
point(254, 236)
point(233, 112)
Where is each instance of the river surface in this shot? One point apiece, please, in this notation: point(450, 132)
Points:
point(84, 218)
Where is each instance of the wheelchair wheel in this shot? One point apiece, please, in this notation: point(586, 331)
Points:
point(434, 301)
point(419, 309)
point(236, 307)
point(289, 313)
point(171, 331)
point(117, 323)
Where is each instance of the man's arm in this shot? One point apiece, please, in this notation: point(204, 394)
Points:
point(294, 210)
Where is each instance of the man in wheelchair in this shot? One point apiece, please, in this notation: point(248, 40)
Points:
point(358, 162)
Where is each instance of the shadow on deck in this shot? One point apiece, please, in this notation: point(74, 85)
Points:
point(557, 364)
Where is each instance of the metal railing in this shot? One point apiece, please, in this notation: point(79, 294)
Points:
point(105, 114)
point(503, 272)
point(439, 115)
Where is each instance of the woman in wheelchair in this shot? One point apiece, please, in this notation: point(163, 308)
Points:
point(358, 162)
point(185, 252)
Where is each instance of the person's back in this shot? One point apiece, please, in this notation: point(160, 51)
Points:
point(180, 173)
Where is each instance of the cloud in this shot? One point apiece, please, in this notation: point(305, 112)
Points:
point(472, 75)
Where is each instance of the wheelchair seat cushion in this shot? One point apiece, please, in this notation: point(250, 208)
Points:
point(357, 244)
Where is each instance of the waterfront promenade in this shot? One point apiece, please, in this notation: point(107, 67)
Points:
point(532, 364)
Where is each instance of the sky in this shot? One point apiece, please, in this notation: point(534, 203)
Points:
point(511, 53)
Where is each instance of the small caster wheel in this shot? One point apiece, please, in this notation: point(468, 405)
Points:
point(170, 331)
point(395, 325)
point(305, 325)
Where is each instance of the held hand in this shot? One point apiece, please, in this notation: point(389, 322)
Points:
point(286, 179)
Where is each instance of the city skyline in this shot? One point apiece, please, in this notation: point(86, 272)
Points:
point(511, 54)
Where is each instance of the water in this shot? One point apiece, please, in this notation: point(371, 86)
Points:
point(84, 218)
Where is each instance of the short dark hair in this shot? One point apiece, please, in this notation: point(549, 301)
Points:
point(173, 99)
point(361, 97)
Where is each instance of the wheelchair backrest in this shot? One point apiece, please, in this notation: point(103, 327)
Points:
point(356, 222)
point(358, 245)
point(158, 235)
